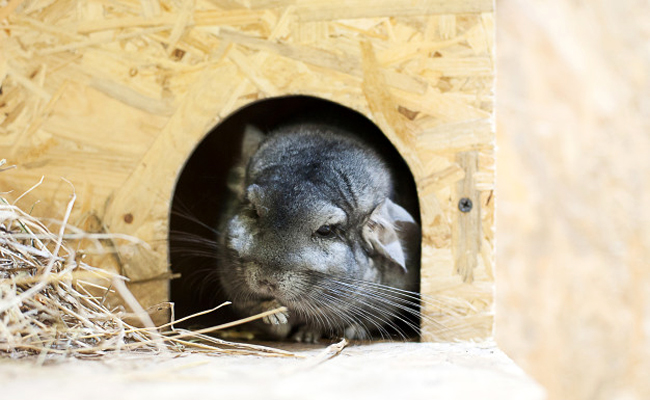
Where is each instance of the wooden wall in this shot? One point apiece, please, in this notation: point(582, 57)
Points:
point(573, 292)
point(113, 97)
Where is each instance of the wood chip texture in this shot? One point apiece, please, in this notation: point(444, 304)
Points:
point(114, 96)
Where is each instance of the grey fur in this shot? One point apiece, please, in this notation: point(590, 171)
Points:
point(277, 250)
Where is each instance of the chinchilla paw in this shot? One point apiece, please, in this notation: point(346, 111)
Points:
point(277, 318)
point(307, 335)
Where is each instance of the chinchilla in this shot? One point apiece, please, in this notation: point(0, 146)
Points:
point(314, 224)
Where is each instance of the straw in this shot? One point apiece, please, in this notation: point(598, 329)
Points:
point(52, 304)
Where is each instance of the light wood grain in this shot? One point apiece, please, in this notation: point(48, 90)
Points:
point(573, 299)
point(466, 234)
point(115, 97)
point(463, 371)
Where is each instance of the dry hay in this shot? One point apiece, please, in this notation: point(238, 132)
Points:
point(50, 306)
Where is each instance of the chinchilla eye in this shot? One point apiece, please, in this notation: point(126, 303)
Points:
point(325, 231)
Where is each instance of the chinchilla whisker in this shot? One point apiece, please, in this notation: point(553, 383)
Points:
point(384, 303)
point(379, 303)
point(325, 302)
point(350, 292)
point(404, 293)
point(423, 299)
point(190, 246)
point(389, 299)
point(322, 319)
point(302, 310)
point(379, 285)
point(194, 245)
point(354, 314)
point(191, 218)
point(244, 295)
point(389, 317)
point(192, 238)
point(402, 301)
point(379, 323)
point(418, 300)
point(189, 254)
point(375, 320)
point(409, 309)
point(202, 281)
point(415, 309)
point(334, 308)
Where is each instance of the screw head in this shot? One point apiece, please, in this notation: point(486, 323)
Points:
point(465, 205)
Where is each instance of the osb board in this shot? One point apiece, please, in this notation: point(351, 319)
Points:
point(413, 370)
point(114, 96)
point(573, 299)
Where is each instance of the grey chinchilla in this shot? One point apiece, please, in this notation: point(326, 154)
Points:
point(314, 225)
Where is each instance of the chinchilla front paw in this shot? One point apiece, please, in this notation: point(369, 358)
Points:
point(307, 334)
point(279, 318)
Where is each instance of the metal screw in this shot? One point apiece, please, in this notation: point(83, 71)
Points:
point(465, 205)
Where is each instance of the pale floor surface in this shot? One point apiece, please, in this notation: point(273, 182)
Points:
point(370, 371)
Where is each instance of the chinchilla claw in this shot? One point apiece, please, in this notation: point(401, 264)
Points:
point(277, 318)
point(307, 335)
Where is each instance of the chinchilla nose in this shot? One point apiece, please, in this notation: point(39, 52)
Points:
point(268, 284)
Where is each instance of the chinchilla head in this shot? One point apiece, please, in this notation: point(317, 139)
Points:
point(314, 209)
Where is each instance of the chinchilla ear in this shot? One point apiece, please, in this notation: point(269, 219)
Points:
point(385, 229)
point(251, 141)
